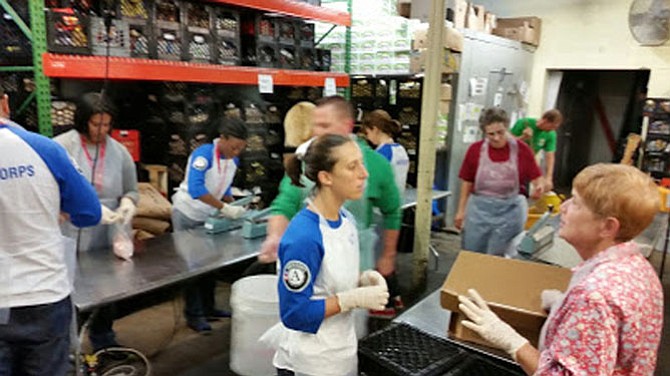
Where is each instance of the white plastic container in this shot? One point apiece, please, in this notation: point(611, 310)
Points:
point(255, 305)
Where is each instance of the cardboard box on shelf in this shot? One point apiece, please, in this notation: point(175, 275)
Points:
point(475, 18)
point(445, 92)
point(490, 22)
point(511, 287)
point(523, 29)
point(459, 10)
point(451, 39)
point(450, 63)
point(444, 106)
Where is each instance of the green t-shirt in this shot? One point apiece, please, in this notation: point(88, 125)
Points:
point(542, 140)
point(381, 192)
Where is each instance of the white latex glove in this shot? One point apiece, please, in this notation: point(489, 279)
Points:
point(109, 216)
point(488, 325)
point(550, 298)
point(369, 297)
point(232, 211)
point(126, 210)
point(372, 278)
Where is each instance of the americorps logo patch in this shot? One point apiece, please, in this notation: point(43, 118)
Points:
point(296, 276)
point(199, 163)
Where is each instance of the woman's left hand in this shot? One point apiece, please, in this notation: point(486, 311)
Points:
point(488, 325)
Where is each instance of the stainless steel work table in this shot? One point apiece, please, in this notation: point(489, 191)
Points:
point(102, 278)
point(411, 197)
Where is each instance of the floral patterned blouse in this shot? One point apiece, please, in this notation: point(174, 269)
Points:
point(610, 320)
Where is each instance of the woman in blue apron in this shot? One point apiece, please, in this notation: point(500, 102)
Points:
point(206, 190)
point(319, 257)
point(107, 164)
point(492, 208)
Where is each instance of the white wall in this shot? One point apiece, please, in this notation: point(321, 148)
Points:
point(585, 34)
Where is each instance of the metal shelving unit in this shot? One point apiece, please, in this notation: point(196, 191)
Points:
point(47, 65)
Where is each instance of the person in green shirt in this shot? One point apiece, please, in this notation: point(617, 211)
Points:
point(334, 115)
point(540, 134)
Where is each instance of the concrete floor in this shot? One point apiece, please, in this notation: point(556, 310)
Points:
point(175, 350)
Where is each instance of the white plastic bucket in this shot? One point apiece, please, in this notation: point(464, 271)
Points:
point(255, 305)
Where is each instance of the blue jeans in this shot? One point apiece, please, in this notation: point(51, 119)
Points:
point(199, 294)
point(36, 340)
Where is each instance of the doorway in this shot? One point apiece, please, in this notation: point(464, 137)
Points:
point(600, 108)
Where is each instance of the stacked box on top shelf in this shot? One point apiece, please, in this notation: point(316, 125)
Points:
point(227, 36)
point(137, 14)
point(67, 32)
point(167, 30)
point(305, 42)
point(114, 43)
point(198, 37)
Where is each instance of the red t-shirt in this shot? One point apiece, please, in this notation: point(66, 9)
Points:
point(528, 168)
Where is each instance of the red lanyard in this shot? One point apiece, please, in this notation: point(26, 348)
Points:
point(99, 164)
point(222, 182)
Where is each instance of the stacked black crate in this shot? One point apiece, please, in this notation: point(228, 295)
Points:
point(227, 36)
point(137, 14)
point(656, 147)
point(275, 144)
point(67, 31)
point(408, 113)
point(198, 38)
point(305, 41)
point(15, 47)
point(286, 29)
point(172, 102)
point(362, 96)
point(114, 41)
point(323, 59)
point(167, 30)
point(254, 161)
point(259, 42)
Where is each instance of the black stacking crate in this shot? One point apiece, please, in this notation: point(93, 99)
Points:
point(141, 37)
point(265, 29)
point(135, 9)
point(67, 31)
point(286, 30)
point(400, 349)
point(287, 56)
point(198, 38)
point(15, 47)
point(167, 30)
point(323, 60)
point(306, 58)
point(227, 46)
point(305, 34)
point(267, 55)
point(116, 43)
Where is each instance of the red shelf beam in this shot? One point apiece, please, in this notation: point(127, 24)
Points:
point(122, 68)
point(293, 8)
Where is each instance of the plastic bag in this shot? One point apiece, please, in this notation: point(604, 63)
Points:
point(122, 241)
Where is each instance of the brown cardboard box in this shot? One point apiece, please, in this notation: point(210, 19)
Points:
point(445, 92)
point(451, 39)
point(523, 29)
point(460, 9)
point(450, 63)
point(511, 287)
point(444, 106)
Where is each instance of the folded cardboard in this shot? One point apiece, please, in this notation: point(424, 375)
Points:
point(511, 287)
point(523, 29)
point(449, 64)
point(451, 39)
point(445, 92)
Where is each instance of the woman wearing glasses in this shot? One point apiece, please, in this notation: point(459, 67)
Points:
point(495, 172)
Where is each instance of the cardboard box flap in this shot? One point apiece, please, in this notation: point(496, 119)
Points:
point(504, 283)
